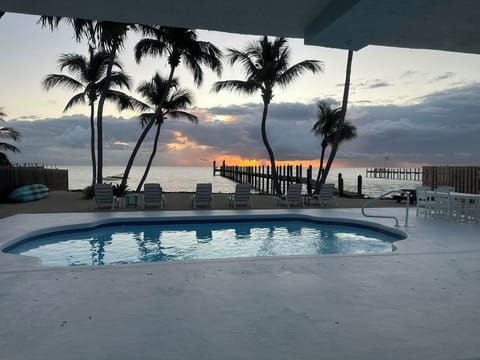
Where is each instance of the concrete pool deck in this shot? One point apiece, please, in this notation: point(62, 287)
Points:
point(419, 302)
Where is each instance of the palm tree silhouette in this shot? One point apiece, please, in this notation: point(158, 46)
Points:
point(177, 99)
point(341, 119)
point(266, 65)
point(7, 132)
point(326, 126)
point(109, 36)
point(88, 77)
point(177, 44)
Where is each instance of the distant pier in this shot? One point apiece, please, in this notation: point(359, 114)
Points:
point(414, 174)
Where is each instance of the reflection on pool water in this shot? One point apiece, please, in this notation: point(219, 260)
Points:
point(133, 242)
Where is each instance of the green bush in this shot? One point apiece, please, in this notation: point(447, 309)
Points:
point(119, 190)
point(88, 192)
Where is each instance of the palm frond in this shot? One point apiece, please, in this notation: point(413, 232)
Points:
point(76, 100)
point(295, 71)
point(119, 79)
point(75, 64)
point(9, 147)
point(239, 86)
point(179, 114)
point(60, 80)
point(124, 101)
point(149, 47)
point(10, 133)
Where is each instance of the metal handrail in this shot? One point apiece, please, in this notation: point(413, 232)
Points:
point(387, 216)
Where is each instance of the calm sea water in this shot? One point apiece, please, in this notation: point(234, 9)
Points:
point(184, 179)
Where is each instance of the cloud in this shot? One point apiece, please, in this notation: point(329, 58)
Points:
point(441, 128)
point(444, 76)
point(372, 84)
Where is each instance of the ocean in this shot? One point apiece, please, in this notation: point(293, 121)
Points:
point(184, 179)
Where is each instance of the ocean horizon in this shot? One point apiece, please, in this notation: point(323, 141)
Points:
point(185, 178)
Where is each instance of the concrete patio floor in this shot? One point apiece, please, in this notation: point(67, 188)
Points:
point(420, 302)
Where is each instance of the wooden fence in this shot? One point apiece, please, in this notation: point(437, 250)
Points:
point(12, 177)
point(463, 178)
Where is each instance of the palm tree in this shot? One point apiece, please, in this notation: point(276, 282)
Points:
point(177, 99)
point(89, 78)
point(341, 120)
point(326, 127)
point(8, 133)
point(266, 64)
point(177, 44)
point(109, 36)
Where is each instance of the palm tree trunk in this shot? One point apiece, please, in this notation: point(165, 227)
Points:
point(322, 156)
point(150, 160)
point(276, 186)
point(147, 129)
point(341, 120)
point(101, 102)
point(92, 143)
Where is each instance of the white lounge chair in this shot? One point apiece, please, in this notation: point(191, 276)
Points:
point(153, 195)
point(325, 195)
point(103, 196)
point(203, 196)
point(292, 197)
point(241, 197)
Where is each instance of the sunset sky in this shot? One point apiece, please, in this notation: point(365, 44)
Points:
point(415, 107)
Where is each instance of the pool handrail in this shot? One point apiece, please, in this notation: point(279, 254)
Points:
point(388, 216)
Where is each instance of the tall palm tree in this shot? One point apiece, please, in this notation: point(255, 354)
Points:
point(266, 65)
point(177, 44)
point(326, 127)
point(88, 77)
point(8, 133)
point(177, 99)
point(109, 36)
point(341, 120)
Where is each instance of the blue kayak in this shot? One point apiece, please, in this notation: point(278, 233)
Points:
point(29, 193)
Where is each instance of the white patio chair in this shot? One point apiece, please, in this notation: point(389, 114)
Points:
point(203, 196)
point(242, 196)
point(442, 205)
point(153, 195)
point(292, 197)
point(103, 196)
point(325, 195)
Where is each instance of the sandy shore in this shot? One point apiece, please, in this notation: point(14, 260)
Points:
point(71, 201)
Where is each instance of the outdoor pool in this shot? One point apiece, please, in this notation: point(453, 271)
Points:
point(134, 241)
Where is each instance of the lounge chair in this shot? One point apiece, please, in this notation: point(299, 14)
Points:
point(103, 196)
point(325, 195)
point(153, 195)
point(292, 197)
point(241, 197)
point(203, 196)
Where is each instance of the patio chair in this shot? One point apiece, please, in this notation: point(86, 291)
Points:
point(103, 196)
point(325, 195)
point(241, 197)
point(292, 197)
point(203, 196)
point(424, 200)
point(153, 195)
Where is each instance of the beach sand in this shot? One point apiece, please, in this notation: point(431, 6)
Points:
point(71, 201)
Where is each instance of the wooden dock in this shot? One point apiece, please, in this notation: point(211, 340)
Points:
point(414, 174)
point(260, 177)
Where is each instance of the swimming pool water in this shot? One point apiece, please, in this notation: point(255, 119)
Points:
point(166, 241)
